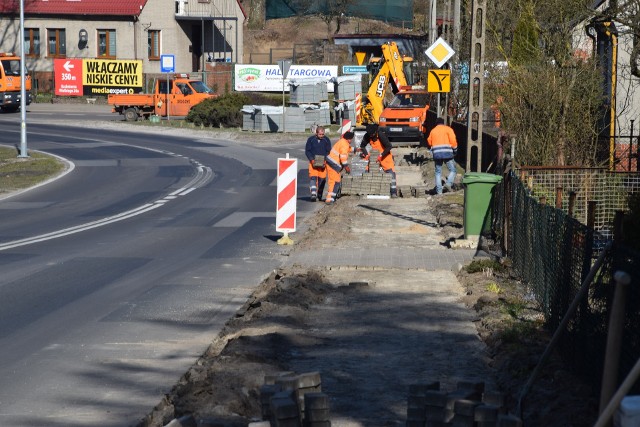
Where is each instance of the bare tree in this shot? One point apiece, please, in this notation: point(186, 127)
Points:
point(550, 99)
point(338, 11)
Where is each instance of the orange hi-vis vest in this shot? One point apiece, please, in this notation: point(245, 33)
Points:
point(339, 155)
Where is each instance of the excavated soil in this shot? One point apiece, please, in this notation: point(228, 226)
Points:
point(286, 317)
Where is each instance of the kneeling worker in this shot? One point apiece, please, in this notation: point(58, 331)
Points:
point(381, 143)
point(337, 160)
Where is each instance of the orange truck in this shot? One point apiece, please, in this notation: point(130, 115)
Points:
point(170, 97)
point(10, 83)
point(403, 120)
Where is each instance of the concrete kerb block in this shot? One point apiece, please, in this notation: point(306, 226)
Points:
point(283, 407)
point(184, 421)
point(509, 421)
point(486, 413)
point(464, 244)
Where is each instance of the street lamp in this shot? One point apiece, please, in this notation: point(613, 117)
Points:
point(23, 92)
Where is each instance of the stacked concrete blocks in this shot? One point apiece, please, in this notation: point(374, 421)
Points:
point(267, 118)
point(417, 403)
point(317, 411)
point(467, 406)
point(346, 87)
point(294, 120)
point(368, 180)
point(308, 91)
point(290, 400)
point(248, 117)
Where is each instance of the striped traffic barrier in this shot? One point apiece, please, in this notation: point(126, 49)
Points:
point(287, 196)
point(346, 126)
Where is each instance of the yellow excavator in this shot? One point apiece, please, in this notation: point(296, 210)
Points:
point(391, 69)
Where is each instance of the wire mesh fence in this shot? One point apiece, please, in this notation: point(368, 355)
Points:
point(553, 251)
point(571, 190)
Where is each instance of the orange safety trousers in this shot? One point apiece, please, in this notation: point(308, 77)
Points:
point(317, 177)
point(334, 179)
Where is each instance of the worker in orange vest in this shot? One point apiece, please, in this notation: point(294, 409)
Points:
point(444, 146)
point(381, 143)
point(337, 160)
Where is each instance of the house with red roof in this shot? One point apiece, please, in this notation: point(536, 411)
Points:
point(198, 33)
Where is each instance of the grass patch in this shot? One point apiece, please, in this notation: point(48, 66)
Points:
point(519, 332)
point(17, 173)
point(480, 265)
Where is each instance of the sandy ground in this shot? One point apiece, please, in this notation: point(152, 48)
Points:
point(371, 339)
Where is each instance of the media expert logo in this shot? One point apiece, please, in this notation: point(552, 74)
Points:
point(249, 74)
point(382, 82)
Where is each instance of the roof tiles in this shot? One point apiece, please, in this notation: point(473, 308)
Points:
point(74, 7)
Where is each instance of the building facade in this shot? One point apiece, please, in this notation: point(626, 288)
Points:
point(196, 32)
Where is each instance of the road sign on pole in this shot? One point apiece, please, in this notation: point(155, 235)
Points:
point(439, 81)
point(167, 63)
point(440, 52)
point(284, 65)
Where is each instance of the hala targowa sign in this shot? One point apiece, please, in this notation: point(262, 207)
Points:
point(268, 78)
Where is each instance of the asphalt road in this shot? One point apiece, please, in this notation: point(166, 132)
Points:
point(117, 276)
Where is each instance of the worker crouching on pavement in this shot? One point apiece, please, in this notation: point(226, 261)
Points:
point(381, 143)
point(444, 146)
point(317, 148)
point(337, 160)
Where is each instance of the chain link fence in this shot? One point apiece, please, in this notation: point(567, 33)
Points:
point(553, 223)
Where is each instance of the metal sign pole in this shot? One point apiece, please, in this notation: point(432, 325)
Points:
point(284, 65)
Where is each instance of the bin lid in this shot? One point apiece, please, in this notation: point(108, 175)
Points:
point(479, 177)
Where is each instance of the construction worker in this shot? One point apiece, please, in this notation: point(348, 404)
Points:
point(444, 146)
point(337, 160)
point(381, 143)
point(317, 148)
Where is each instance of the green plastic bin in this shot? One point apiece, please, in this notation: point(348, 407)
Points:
point(478, 195)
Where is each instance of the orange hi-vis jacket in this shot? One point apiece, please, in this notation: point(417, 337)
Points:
point(442, 141)
point(339, 155)
point(387, 161)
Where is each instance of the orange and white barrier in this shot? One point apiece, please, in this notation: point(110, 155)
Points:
point(287, 185)
point(346, 126)
point(358, 105)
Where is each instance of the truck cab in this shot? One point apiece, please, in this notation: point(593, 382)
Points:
point(167, 97)
point(403, 120)
point(180, 95)
point(10, 83)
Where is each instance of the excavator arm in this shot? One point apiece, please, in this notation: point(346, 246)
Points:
point(390, 71)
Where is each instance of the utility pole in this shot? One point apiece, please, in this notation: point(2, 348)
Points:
point(433, 25)
point(476, 85)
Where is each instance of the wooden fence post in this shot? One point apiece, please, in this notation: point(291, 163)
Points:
point(559, 197)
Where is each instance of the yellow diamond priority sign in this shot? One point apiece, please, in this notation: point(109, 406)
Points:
point(440, 52)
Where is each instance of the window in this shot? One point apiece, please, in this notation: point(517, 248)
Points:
point(154, 44)
point(107, 43)
point(32, 42)
point(57, 41)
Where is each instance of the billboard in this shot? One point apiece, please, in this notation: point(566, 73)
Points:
point(268, 78)
point(89, 77)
